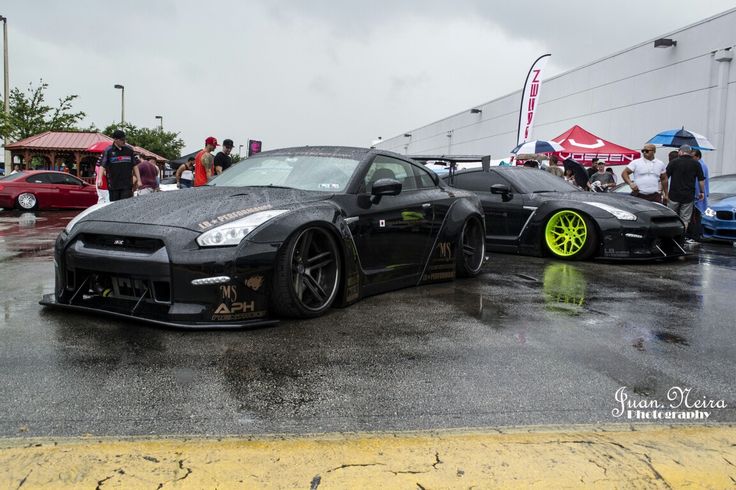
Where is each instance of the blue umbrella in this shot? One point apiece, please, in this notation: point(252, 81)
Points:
point(537, 146)
point(678, 137)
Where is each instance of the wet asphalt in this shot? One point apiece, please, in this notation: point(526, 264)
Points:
point(531, 341)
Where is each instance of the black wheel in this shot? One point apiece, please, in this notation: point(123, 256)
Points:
point(26, 201)
point(471, 248)
point(306, 275)
point(570, 235)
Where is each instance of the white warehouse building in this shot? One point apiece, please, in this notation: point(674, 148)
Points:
point(645, 90)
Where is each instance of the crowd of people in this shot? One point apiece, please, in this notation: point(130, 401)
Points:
point(681, 184)
point(121, 173)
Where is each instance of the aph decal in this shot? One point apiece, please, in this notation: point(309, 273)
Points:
point(236, 307)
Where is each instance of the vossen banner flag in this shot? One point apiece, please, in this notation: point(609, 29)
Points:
point(530, 99)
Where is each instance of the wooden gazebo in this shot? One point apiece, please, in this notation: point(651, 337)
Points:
point(65, 147)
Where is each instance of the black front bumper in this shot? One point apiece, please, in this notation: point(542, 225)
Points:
point(648, 238)
point(151, 275)
point(50, 301)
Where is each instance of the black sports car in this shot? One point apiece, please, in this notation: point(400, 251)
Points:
point(285, 233)
point(533, 212)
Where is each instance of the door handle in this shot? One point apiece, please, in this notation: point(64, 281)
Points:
point(426, 205)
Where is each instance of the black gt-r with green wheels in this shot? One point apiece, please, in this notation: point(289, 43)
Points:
point(533, 212)
point(285, 233)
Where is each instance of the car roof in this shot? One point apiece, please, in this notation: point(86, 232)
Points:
point(356, 153)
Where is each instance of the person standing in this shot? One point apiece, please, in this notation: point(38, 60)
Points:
point(700, 205)
point(601, 181)
point(204, 162)
point(646, 175)
point(554, 167)
point(16, 168)
point(103, 194)
point(146, 175)
point(185, 174)
point(118, 161)
point(683, 172)
point(223, 160)
point(593, 167)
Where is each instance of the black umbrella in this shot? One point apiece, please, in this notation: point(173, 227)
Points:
point(578, 171)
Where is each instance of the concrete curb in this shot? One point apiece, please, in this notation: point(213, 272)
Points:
point(580, 456)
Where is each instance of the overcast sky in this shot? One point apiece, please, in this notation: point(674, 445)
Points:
point(309, 72)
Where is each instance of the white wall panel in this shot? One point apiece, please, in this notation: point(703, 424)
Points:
point(626, 98)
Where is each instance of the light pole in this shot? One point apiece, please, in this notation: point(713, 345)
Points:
point(160, 122)
point(6, 89)
point(122, 102)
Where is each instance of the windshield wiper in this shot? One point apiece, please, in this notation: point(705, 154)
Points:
point(270, 186)
point(540, 192)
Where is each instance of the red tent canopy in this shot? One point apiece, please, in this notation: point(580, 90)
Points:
point(582, 146)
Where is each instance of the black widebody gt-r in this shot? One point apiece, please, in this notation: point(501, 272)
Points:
point(288, 232)
point(533, 212)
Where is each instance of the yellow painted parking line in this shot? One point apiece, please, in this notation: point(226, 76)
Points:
point(610, 457)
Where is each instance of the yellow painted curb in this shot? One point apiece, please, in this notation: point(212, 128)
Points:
point(584, 457)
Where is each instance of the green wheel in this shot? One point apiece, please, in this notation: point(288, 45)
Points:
point(570, 235)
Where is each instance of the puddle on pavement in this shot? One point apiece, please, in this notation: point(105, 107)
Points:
point(30, 235)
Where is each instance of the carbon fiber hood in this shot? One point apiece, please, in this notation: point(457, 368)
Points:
point(202, 208)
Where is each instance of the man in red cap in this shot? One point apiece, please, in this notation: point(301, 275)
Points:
point(204, 162)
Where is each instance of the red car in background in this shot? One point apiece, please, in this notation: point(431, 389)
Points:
point(45, 189)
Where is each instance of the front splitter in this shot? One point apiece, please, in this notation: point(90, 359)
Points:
point(49, 300)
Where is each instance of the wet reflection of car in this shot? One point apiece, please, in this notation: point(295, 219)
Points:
point(719, 219)
point(564, 288)
point(329, 225)
point(40, 189)
point(533, 212)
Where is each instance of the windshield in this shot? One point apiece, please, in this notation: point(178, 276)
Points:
point(723, 185)
point(305, 172)
point(530, 180)
point(15, 176)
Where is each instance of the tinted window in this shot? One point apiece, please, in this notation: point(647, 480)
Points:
point(529, 180)
point(478, 181)
point(384, 167)
point(64, 179)
point(39, 179)
point(425, 179)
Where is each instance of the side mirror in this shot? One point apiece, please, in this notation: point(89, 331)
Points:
point(384, 187)
point(502, 189)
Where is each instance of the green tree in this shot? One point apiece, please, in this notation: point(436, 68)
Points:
point(164, 143)
point(29, 114)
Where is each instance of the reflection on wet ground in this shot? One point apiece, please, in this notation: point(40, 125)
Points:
point(30, 234)
point(530, 341)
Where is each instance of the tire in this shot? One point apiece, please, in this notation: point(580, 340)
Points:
point(26, 201)
point(307, 274)
point(471, 248)
point(570, 235)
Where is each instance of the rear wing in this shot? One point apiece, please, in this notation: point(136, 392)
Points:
point(449, 164)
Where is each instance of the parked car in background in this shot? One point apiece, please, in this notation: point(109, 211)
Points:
point(719, 219)
point(168, 184)
point(45, 189)
point(285, 233)
point(533, 212)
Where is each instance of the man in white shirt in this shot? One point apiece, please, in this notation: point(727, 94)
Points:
point(647, 176)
